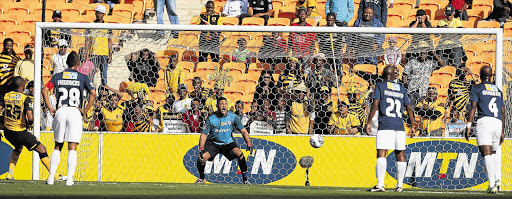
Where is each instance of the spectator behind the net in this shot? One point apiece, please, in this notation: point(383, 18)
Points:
point(459, 90)
point(235, 8)
point(450, 47)
point(291, 77)
point(182, 104)
point(144, 67)
point(109, 116)
point(241, 54)
point(343, 121)
point(321, 77)
point(86, 67)
point(194, 117)
point(51, 37)
point(273, 50)
point(455, 126)
point(301, 44)
point(323, 109)
point(501, 11)
point(460, 8)
point(380, 8)
point(420, 22)
point(239, 111)
point(25, 67)
point(199, 92)
point(392, 55)
point(163, 112)
point(170, 5)
point(302, 113)
point(260, 8)
point(431, 113)
point(367, 46)
point(312, 10)
point(281, 115)
point(266, 88)
point(331, 44)
point(59, 59)
point(100, 45)
point(174, 74)
point(344, 10)
point(417, 73)
point(268, 114)
point(209, 41)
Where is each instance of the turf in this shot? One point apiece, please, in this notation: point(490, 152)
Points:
point(37, 189)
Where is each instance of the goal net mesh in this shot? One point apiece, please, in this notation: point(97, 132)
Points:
point(283, 85)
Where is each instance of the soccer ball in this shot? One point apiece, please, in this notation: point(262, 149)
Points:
point(316, 141)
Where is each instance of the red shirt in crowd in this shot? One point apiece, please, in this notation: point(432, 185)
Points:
point(302, 41)
point(458, 4)
point(193, 121)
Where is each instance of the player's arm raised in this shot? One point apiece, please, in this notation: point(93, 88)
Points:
point(410, 114)
point(374, 108)
point(471, 116)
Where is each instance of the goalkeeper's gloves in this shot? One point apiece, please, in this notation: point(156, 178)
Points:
point(201, 152)
point(249, 148)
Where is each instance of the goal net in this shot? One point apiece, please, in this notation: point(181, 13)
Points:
point(156, 85)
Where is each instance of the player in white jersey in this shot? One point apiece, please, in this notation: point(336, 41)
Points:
point(69, 89)
point(389, 99)
point(490, 124)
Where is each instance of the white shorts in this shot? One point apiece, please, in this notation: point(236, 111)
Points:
point(67, 125)
point(488, 132)
point(391, 140)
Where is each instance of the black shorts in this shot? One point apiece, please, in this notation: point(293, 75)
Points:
point(226, 150)
point(21, 138)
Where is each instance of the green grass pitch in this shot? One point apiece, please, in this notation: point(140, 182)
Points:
point(39, 190)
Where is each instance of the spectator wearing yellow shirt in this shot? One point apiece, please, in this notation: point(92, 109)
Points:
point(344, 122)
point(111, 116)
point(312, 10)
point(302, 115)
point(451, 48)
point(100, 46)
point(211, 102)
point(25, 67)
point(174, 75)
point(431, 112)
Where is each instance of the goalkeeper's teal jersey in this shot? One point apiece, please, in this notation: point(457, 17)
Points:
point(219, 129)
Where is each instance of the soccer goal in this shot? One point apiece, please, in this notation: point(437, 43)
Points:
point(288, 82)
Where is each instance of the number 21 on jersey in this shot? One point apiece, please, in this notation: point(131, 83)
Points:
point(394, 108)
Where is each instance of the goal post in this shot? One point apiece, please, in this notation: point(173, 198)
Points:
point(275, 160)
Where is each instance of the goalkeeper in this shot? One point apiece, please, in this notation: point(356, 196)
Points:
point(216, 138)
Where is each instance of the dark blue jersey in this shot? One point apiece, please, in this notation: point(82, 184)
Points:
point(69, 87)
point(489, 99)
point(219, 129)
point(392, 100)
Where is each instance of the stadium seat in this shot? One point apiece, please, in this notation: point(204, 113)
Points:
point(21, 11)
point(12, 20)
point(69, 10)
point(368, 68)
point(468, 24)
point(253, 21)
point(278, 22)
point(232, 21)
point(193, 20)
point(308, 20)
point(322, 22)
point(138, 8)
point(488, 24)
point(485, 7)
point(117, 19)
point(207, 66)
point(475, 13)
point(279, 68)
point(287, 12)
point(507, 27)
point(48, 14)
point(276, 4)
point(396, 14)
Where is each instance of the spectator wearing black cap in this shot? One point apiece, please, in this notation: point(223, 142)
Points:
point(183, 103)
point(450, 47)
point(25, 68)
point(420, 22)
point(52, 36)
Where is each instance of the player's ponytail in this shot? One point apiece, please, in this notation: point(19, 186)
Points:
point(72, 59)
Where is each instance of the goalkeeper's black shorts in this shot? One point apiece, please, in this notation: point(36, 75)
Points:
point(21, 138)
point(226, 150)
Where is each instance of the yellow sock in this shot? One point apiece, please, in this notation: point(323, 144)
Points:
point(46, 162)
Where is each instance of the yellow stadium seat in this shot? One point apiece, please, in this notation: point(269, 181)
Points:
point(396, 14)
point(234, 66)
point(18, 11)
point(138, 8)
point(308, 20)
point(287, 12)
point(253, 21)
point(117, 19)
point(232, 21)
point(322, 22)
point(468, 24)
point(278, 22)
point(10, 19)
point(475, 13)
point(488, 24)
point(484, 6)
point(368, 68)
point(207, 65)
point(193, 20)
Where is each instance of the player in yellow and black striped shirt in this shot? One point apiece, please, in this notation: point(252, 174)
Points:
point(8, 61)
point(459, 89)
point(16, 107)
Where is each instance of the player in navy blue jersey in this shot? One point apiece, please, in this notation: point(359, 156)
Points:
point(490, 124)
point(69, 90)
point(390, 98)
point(216, 137)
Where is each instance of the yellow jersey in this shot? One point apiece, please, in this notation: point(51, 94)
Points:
point(300, 118)
point(309, 4)
point(427, 124)
point(340, 123)
point(15, 105)
point(211, 105)
point(112, 120)
point(173, 78)
point(7, 67)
